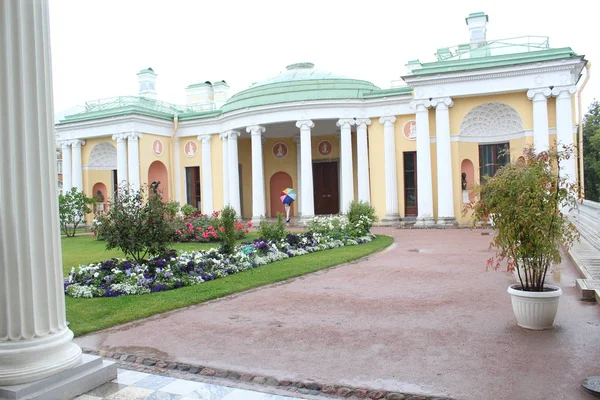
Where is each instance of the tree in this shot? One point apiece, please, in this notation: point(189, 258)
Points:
point(591, 152)
point(72, 207)
point(137, 224)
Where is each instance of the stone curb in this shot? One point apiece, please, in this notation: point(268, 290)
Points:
point(306, 387)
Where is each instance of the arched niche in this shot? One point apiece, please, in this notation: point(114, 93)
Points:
point(157, 172)
point(278, 182)
point(103, 156)
point(467, 168)
point(100, 196)
point(492, 121)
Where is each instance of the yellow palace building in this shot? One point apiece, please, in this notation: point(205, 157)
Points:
point(412, 150)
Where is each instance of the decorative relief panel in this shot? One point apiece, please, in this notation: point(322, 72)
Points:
point(103, 155)
point(491, 119)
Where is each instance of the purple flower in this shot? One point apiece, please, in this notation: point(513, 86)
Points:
point(128, 271)
point(161, 263)
point(168, 275)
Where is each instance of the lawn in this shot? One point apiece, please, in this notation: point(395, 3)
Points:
point(89, 315)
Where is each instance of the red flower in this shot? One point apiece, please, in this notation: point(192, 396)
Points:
point(249, 224)
point(221, 229)
point(247, 231)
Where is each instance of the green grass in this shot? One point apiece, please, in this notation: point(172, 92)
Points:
point(84, 249)
point(89, 315)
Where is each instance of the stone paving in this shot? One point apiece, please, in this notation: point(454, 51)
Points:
point(422, 317)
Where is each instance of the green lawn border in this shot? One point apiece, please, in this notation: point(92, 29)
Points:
point(90, 315)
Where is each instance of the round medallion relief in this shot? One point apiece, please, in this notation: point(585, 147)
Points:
point(157, 147)
point(410, 130)
point(325, 147)
point(280, 150)
point(191, 148)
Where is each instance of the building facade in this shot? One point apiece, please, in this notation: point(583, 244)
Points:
point(413, 151)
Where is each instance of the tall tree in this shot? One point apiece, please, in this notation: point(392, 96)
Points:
point(591, 152)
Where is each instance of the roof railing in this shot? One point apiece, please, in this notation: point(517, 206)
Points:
point(519, 44)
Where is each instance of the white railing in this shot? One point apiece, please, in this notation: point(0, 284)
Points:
point(587, 220)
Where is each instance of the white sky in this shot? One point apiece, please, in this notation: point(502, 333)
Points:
point(98, 46)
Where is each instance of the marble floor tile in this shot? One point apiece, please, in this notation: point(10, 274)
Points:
point(158, 395)
point(131, 393)
point(241, 394)
point(126, 377)
point(209, 392)
point(155, 382)
point(106, 389)
point(179, 386)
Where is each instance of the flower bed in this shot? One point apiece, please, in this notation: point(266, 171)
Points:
point(198, 227)
point(117, 277)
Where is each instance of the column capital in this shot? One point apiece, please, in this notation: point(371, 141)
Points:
point(539, 94)
point(564, 91)
point(223, 136)
point(420, 105)
point(389, 120)
point(120, 136)
point(204, 138)
point(63, 143)
point(345, 122)
point(231, 134)
point(134, 136)
point(442, 102)
point(77, 143)
point(255, 130)
point(305, 123)
point(363, 121)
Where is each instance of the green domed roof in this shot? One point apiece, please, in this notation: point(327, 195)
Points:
point(299, 82)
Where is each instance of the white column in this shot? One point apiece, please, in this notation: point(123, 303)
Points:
point(35, 341)
point(234, 172)
point(223, 137)
point(67, 166)
point(424, 178)
point(258, 173)
point(306, 190)
point(176, 168)
point(362, 159)
point(345, 125)
point(121, 158)
point(133, 158)
point(298, 174)
point(564, 128)
point(77, 167)
point(541, 137)
point(207, 186)
point(445, 194)
point(391, 181)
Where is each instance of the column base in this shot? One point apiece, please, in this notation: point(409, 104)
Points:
point(446, 221)
point(390, 219)
point(425, 221)
point(89, 374)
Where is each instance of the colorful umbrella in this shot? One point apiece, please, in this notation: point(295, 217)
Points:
point(288, 196)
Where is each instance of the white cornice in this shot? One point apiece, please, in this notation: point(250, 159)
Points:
point(114, 126)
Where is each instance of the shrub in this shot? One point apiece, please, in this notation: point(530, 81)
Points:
point(72, 207)
point(137, 227)
point(172, 208)
point(188, 209)
point(272, 230)
point(361, 216)
point(334, 226)
point(227, 229)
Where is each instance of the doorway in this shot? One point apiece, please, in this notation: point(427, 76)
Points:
point(410, 184)
point(279, 182)
point(326, 187)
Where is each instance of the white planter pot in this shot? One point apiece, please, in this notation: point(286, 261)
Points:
point(535, 310)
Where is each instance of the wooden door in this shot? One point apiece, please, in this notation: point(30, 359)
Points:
point(326, 187)
point(279, 181)
point(410, 184)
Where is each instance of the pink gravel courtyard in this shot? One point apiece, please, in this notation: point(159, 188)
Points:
point(423, 316)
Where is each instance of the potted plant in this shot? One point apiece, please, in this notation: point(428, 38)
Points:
point(526, 204)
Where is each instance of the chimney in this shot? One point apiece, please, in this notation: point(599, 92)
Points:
point(201, 95)
point(147, 81)
point(477, 23)
point(221, 93)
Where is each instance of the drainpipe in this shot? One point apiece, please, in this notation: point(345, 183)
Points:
point(173, 186)
point(588, 66)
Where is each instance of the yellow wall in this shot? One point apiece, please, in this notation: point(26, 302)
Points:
point(272, 165)
point(245, 160)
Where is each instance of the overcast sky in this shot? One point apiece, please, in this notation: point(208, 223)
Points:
point(98, 46)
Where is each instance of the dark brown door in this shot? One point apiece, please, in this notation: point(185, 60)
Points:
point(326, 187)
point(410, 184)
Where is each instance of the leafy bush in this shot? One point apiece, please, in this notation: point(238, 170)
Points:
point(72, 208)
point(227, 228)
point(272, 230)
point(361, 216)
point(188, 209)
point(525, 203)
point(136, 225)
point(198, 227)
point(172, 208)
point(333, 226)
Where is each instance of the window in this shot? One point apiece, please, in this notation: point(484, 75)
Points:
point(192, 185)
point(491, 158)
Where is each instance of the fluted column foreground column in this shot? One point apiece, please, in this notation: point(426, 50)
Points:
point(306, 190)
point(121, 158)
point(445, 193)
point(133, 159)
point(362, 159)
point(564, 129)
point(541, 135)
point(176, 168)
point(389, 155)
point(258, 173)
point(424, 180)
point(207, 186)
point(234, 172)
point(34, 339)
point(225, 148)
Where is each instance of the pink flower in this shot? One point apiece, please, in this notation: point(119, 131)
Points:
point(249, 224)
